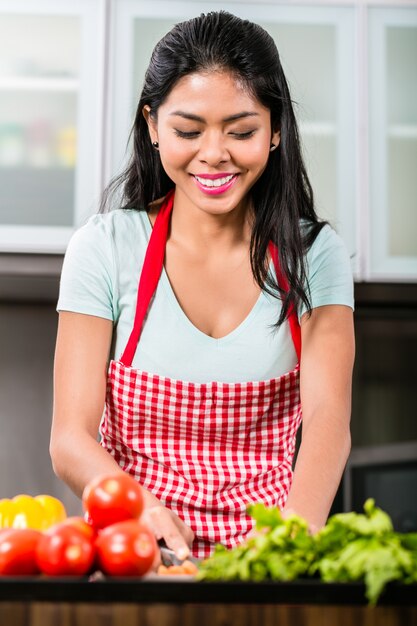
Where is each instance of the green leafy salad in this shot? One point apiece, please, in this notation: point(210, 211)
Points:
point(350, 547)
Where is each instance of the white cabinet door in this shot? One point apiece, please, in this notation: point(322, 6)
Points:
point(393, 143)
point(317, 49)
point(51, 102)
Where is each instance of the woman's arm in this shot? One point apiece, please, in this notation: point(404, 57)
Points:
point(80, 378)
point(328, 349)
point(82, 349)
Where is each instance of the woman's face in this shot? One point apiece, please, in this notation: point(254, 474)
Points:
point(214, 140)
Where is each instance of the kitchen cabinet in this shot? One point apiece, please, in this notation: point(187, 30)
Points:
point(393, 143)
point(51, 113)
point(352, 71)
point(316, 44)
point(71, 73)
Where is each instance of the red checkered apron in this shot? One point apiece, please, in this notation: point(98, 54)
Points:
point(206, 450)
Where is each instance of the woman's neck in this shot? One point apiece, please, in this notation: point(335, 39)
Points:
point(199, 230)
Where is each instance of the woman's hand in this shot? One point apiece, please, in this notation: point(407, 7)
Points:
point(166, 525)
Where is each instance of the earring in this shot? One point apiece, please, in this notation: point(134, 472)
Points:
point(155, 145)
point(272, 147)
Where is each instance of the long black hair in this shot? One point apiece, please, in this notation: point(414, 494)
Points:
point(282, 196)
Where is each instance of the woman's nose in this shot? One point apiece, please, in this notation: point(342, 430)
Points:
point(213, 149)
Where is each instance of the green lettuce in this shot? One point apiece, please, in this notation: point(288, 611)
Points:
point(350, 547)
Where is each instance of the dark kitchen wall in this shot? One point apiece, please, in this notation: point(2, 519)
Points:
point(384, 400)
point(385, 374)
point(28, 323)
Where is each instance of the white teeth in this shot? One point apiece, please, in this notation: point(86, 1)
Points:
point(218, 182)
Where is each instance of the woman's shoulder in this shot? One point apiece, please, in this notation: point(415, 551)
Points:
point(123, 219)
point(118, 227)
point(329, 270)
point(101, 255)
point(327, 240)
point(109, 240)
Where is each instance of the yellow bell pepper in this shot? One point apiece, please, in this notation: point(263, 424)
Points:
point(27, 512)
point(23, 511)
point(53, 509)
point(6, 513)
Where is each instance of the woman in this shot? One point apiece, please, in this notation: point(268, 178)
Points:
point(200, 291)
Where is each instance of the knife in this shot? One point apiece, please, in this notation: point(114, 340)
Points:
point(168, 556)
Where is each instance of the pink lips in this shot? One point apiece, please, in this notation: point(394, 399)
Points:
point(214, 191)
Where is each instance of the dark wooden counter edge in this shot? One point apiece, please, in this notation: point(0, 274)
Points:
point(190, 592)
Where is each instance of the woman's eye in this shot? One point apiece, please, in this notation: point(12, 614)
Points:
point(195, 133)
point(186, 135)
point(245, 135)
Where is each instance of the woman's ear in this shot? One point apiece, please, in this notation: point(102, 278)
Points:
point(276, 138)
point(150, 120)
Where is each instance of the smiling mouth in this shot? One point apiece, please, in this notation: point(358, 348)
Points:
point(216, 182)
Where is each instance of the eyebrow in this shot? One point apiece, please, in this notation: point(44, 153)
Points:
point(230, 118)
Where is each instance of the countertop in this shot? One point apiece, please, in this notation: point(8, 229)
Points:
point(180, 601)
point(183, 589)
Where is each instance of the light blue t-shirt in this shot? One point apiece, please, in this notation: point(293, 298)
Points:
point(100, 277)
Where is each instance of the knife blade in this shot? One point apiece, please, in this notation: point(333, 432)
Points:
point(168, 556)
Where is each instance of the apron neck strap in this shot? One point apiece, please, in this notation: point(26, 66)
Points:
point(151, 272)
point(292, 317)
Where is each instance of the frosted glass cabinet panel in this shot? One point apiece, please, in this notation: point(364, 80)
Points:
point(51, 99)
point(37, 157)
point(316, 46)
point(308, 54)
point(393, 143)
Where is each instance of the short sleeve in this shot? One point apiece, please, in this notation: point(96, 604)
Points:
point(87, 282)
point(329, 271)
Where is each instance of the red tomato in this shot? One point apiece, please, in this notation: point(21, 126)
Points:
point(65, 550)
point(126, 549)
point(112, 499)
point(78, 522)
point(18, 551)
